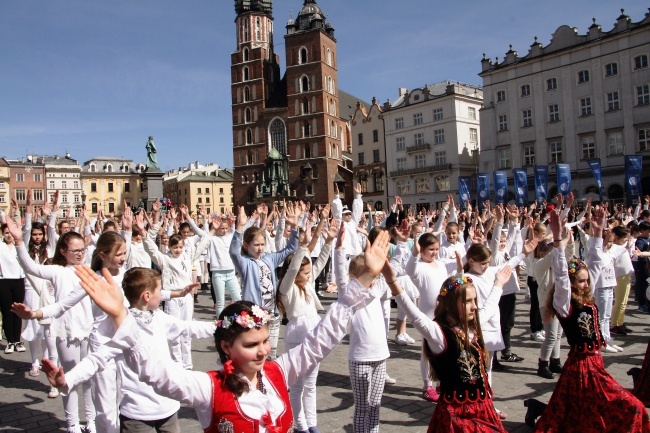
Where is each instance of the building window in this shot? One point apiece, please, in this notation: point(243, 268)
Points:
point(378, 179)
point(362, 159)
point(583, 76)
point(360, 139)
point(303, 55)
point(527, 117)
point(551, 84)
point(421, 185)
point(64, 184)
point(37, 177)
point(247, 94)
point(375, 156)
point(198, 191)
point(641, 62)
point(417, 119)
point(207, 190)
point(420, 161)
point(93, 186)
point(443, 183)
point(248, 117)
point(2, 198)
point(418, 139)
point(249, 136)
point(246, 75)
point(52, 184)
point(127, 187)
point(93, 207)
point(110, 186)
point(401, 164)
point(473, 135)
point(109, 168)
point(501, 96)
point(644, 139)
point(525, 90)
point(611, 69)
point(64, 198)
point(503, 122)
point(199, 200)
point(328, 57)
point(555, 148)
point(400, 144)
point(207, 200)
point(554, 113)
point(441, 158)
point(471, 112)
point(399, 123)
point(504, 157)
point(439, 136)
point(75, 184)
point(615, 143)
point(643, 95)
point(93, 168)
point(529, 155)
point(20, 177)
point(375, 136)
point(437, 114)
point(585, 106)
point(403, 187)
point(588, 148)
point(278, 136)
point(77, 199)
point(20, 194)
point(304, 84)
point(37, 194)
point(245, 54)
point(613, 103)
point(111, 207)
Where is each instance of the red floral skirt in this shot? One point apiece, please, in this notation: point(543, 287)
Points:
point(642, 387)
point(587, 399)
point(469, 417)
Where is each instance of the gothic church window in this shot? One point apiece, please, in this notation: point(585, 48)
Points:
point(278, 136)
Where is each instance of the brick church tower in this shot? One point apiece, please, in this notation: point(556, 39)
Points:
point(291, 120)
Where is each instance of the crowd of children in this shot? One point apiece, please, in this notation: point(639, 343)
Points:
point(86, 295)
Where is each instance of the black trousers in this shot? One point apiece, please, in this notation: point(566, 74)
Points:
point(640, 281)
point(11, 290)
point(507, 312)
point(535, 316)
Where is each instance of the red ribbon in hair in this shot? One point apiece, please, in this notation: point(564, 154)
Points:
point(268, 423)
point(228, 369)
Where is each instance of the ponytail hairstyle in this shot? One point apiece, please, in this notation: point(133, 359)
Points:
point(38, 252)
point(453, 292)
point(108, 244)
point(479, 253)
point(62, 244)
point(229, 327)
point(302, 288)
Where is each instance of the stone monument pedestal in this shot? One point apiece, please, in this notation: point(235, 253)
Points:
point(152, 184)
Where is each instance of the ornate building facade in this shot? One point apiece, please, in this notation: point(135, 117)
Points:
point(288, 137)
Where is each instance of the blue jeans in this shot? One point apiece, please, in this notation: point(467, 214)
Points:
point(604, 298)
point(222, 280)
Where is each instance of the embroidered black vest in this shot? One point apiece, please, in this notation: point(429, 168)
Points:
point(462, 375)
point(581, 328)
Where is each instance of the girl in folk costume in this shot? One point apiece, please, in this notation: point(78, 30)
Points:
point(249, 394)
point(298, 300)
point(257, 268)
point(72, 328)
point(456, 352)
point(586, 398)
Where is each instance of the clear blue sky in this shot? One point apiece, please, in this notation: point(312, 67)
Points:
point(98, 77)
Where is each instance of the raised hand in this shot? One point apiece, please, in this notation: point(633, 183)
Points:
point(403, 231)
point(336, 189)
point(54, 373)
point(376, 253)
point(333, 229)
point(555, 225)
point(598, 222)
point(28, 201)
point(241, 218)
point(15, 231)
point(127, 218)
point(529, 246)
point(104, 292)
point(184, 211)
point(291, 218)
point(139, 221)
point(502, 277)
point(357, 189)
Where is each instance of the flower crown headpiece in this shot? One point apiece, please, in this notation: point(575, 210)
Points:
point(576, 265)
point(246, 320)
point(455, 283)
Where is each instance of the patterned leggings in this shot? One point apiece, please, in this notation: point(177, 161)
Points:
point(274, 335)
point(368, 380)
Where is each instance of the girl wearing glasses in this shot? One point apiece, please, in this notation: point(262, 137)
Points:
point(73, 327)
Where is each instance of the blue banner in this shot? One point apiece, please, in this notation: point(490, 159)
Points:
point(594, 164)
point(464, 185)
point(482, 188)
point(521, 186)
point(541, 182)
point(633, 167)
point(563, 179)
point(500, 187)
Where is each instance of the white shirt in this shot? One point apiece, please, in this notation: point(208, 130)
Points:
point(9, 266)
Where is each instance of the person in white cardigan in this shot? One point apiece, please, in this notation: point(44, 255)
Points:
point(300, 303)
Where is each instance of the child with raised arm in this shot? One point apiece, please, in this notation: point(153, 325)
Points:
point(586, 398)
point(257, 268)
point(456, 351)
point(249, 394)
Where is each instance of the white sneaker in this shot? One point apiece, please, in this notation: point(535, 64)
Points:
point(75, 429)
point(20, 347)
point(609, 349)
point(618, 348)
point(537, 336)
point(409, 339)
point(401, 339)
point(389, 379)
point(54, 393)
point(10, 348)
point(35, 370)
point(90, 427)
